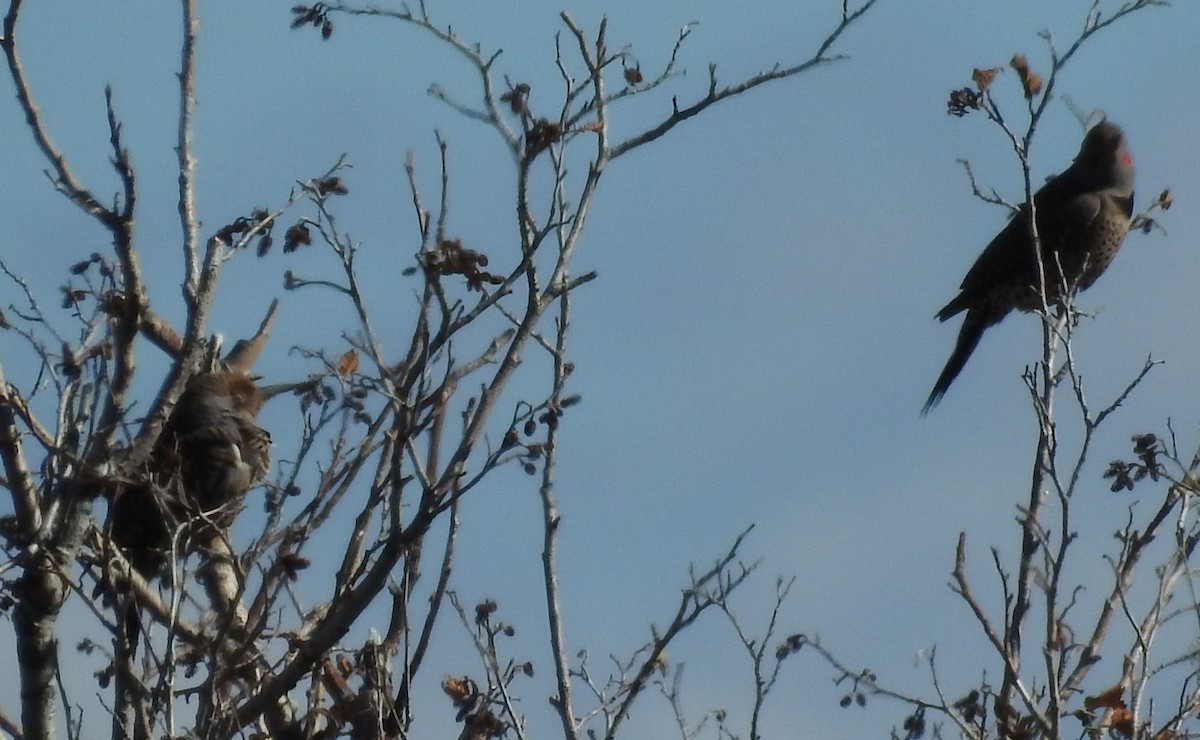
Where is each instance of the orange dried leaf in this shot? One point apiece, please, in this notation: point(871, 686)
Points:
point(1110, 698)
point(983, 77)
point(1122, 722)
point(457, 689)
point(1032, 83)
point(633, 75)
point(348, 363)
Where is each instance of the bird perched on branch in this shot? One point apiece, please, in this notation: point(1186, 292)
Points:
point(211, 451)
point(212, 434)
point(1082, 217)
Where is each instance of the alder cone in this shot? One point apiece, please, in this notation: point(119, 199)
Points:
point(211, 451)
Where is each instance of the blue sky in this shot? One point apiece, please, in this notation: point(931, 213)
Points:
point(761, 337)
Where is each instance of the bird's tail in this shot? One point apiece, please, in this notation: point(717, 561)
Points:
point(968, 337)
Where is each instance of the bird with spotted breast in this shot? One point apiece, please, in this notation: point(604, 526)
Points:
point(1082, 217)
point(210, 453)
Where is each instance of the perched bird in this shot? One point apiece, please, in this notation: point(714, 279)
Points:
point(1082, 217)
point(211, 451)
point(212, 434)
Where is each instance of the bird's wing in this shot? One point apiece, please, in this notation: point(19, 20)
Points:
point(1124, 205)
point(1009, 256)
point(1006, 256)
point(1080, 212)
point(255, 445)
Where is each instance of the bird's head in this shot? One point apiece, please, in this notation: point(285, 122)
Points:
point(243, 389)
point(238, 388)
point(1104, 160)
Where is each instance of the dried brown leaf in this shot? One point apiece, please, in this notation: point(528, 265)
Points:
point(347, 364)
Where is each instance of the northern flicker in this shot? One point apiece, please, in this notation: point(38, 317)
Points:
point(211, 451)
point(1082, 217)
